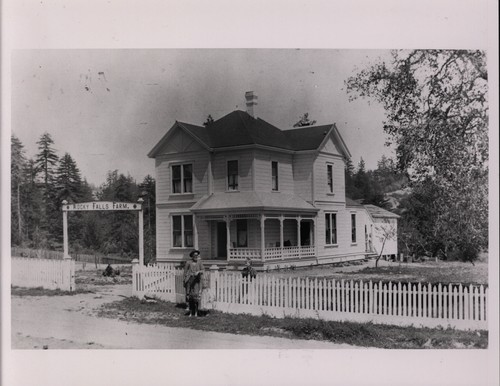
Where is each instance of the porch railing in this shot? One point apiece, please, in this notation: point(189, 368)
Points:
point(274, 253)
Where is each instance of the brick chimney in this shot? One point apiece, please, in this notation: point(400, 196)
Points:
point(251, 102)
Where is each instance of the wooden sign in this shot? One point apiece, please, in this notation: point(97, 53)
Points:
point(101, 205)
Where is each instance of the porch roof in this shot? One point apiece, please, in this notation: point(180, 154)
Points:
point(253, 201)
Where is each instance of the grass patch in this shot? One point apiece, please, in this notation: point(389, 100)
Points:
point(39, 291)
point(358, 334)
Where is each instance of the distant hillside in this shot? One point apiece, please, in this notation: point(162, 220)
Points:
point(394, 198)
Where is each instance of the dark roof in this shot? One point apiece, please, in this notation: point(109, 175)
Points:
point(307, 138)
point(239, 128)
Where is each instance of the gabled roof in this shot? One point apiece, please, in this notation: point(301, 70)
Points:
point(252, 201)
point(238, 128)
point(377, 212)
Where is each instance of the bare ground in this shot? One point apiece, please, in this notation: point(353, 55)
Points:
point(107, 317)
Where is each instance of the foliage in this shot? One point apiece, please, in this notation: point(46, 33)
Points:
point(18, 164)
point(304, 121)
point(386, 231)
point(39, 186)
point(437, 116)
point(370, 186)
point(46, 159)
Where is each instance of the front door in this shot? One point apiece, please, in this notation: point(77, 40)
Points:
point(221, 240)
point(305, 233)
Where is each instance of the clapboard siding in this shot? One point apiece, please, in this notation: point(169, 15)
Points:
point(344, 245)
point(302, 175)
point(203, 230)
point(245, 161)
point(378, 235)
point(321, 189)
point(164, 248)
point(263, 175)
point(199, 159)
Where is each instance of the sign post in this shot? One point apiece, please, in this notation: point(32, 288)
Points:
point(65, 232)
point(141, 233)
point(106, 206)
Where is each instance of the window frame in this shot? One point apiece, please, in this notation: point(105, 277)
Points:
point(273, 162)
point(237, 174)
point(333, 230)
point(354, 238)
point(183, 235)
point(183, 179)
point(329, 179)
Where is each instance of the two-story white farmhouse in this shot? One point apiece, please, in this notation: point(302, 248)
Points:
point(242, 188)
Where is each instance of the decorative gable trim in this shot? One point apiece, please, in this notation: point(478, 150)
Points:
point(337, 140)
point(176, 126)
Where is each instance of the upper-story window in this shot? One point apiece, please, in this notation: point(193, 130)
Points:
point(353, 227)
point(232, 175)
point(182, 178)
point(274, 174)
point(329, 177)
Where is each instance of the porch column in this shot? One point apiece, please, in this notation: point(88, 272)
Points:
point(315, 234)
point(298, 236)
point(281, 234)
point(262, 236)
point(195, 232)
point(228, 234)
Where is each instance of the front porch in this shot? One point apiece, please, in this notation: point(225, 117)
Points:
point(261, 238)
point(272, 253)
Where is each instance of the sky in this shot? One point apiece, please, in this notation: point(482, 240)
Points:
point(107, 108)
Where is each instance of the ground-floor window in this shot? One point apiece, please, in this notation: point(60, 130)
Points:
point(331, 228)
point(182, 231)
point(353, 227)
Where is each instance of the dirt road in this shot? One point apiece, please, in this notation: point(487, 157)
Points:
point(69, 322)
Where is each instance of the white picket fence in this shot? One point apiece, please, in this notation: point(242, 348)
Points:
point(46, 273)
point(395, 303)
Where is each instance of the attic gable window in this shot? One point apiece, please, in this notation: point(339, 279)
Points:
point(329, 177)
point(274, 174)
point(232, 175)
point(182, 178)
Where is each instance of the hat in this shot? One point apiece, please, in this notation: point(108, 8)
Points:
point(193, 252)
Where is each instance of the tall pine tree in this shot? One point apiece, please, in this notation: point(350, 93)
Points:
point(17, 167)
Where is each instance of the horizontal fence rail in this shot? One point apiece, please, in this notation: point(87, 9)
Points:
point(58, 255)
point(399, 303)
point(46, 273)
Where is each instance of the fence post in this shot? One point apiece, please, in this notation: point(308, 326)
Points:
point(214, 278)
point(135, 273)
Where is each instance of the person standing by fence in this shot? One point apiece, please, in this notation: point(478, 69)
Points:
point(193, 282)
